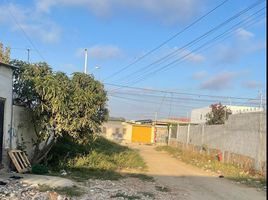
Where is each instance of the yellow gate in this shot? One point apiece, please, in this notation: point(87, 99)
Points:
point(141, 133)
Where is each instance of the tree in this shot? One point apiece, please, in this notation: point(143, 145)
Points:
point(60, 105)
point(4, 54)
point(218, 114)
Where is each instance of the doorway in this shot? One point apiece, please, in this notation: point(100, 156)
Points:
point(2, 106)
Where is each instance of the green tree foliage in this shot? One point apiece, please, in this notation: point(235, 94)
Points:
point(218, 114)
point(4, 54)
point(74, 105)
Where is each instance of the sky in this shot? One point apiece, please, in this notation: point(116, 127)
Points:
point(118, 32)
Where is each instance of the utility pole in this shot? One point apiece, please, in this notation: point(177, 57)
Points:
point(258, 161)
point(155, 117)
point(85, 68)
point(28, 55)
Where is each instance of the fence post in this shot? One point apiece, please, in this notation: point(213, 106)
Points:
point(188, 135)
point(177, 136)
point(259, 148)
point(202, 136)
point(169, 131)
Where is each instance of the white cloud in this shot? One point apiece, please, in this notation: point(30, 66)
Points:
point(251, 84)
point(168, 11)
point(102, 52)
point(219, 81)
point(243, 34)
point(199, 75)
point(193, 57)
point(17, 17)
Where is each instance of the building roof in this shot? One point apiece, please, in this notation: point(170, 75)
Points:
point(8, 65)
point(119, 119)
point(181, 120)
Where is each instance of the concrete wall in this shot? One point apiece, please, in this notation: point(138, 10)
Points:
point(161, 134)
point(242, 139)
point(23, 129)
point(6, 95)
point(117, 131)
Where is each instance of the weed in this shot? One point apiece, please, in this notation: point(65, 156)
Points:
point(147, 194)
point(128, 197)
point(162, 188)
point(100, 159)
point(69, 191)
point(142, 177)
point(39, 169)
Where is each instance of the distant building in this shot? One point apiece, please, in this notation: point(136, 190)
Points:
point(198, 115)
point(176, 120)
point(117, 130)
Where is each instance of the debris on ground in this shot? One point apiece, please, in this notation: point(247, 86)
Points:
point(63, 172)
point(94, 189)
point(17, 190)
point(128, 188)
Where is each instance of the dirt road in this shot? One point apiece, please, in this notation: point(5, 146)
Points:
point(194, 183)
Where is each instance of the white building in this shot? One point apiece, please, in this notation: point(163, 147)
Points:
point(117, 130)
point(198, 115)
point(6, 78)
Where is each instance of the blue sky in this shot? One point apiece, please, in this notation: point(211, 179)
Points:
point(116, 32)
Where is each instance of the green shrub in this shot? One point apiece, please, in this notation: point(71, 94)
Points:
point(39, 169)
point(101, 154)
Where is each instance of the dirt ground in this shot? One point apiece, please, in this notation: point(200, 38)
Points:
point(194, 183)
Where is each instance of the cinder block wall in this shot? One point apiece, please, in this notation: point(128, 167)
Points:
point(242, 139)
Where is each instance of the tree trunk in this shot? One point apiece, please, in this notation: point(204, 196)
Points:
point(40, 154)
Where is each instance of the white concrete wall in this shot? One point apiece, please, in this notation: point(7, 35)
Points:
point(23, 129)
point(161, 134)
point(115, 131)
point(244, 134)
point(128, 135)
point(6, 95)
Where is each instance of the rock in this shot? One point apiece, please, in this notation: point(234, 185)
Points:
point(12, 195)
point(53, 196)
point(63, 172)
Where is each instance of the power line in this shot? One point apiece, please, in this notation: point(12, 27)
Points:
point(143, 102)
point(200, 37)
point(180, 100)
point(181, 59)
point(149, 101)
point(24, 33)
point(166, 41)
point(180, 93)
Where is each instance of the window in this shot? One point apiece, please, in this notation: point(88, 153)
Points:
point(201, 116)
point(104, 130)
point(124, 131)
point(117, 130)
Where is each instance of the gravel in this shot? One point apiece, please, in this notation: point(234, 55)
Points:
point(17, 190)
point(94, 189)
point(128, 188)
